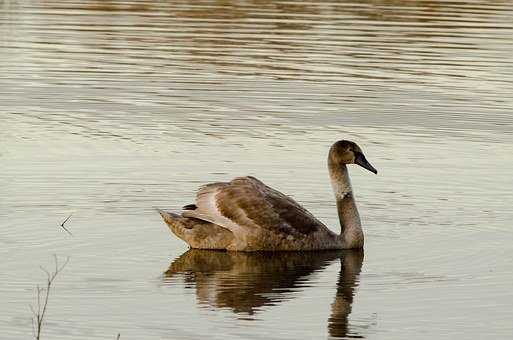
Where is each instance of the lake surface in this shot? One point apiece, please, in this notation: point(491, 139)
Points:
point(111, 108)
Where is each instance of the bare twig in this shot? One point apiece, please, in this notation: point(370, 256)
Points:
point(63, 227)
point(43, 294)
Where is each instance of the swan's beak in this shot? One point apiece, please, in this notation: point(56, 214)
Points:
point(363, 162)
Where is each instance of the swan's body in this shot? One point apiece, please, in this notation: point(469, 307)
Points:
point(247, 215)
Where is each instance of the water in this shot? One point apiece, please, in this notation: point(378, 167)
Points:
point(110, 109)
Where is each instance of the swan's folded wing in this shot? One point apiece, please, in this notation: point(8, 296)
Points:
point(246, 204)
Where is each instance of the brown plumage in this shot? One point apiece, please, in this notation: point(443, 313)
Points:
point(245, 214)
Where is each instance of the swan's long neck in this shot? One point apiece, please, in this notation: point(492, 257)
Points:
point(351, 235)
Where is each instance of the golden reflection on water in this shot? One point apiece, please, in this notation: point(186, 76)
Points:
point(247, 282)
point(287, 39)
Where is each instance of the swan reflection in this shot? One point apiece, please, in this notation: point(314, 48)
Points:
point(247, 282)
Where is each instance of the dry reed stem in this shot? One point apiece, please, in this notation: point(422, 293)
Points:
point(42, 298)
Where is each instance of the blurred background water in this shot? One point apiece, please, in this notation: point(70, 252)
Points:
point(111, 108)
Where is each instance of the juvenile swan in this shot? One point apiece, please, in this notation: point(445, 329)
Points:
point(247, 215)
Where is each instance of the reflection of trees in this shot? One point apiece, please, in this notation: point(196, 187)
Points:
point(368, 38)
point(246, 282)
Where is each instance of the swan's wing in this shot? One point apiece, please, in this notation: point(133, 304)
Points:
point(246, 204)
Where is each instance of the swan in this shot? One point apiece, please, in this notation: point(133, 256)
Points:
point(247, 215)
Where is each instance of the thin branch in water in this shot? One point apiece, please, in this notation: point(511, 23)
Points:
point(33, 321)
point(63, 227)
point(42, 298)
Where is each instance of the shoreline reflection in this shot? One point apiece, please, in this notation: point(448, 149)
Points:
point(246, 282)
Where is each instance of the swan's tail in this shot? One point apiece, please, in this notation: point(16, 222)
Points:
point(197, 233)
point(175, 223)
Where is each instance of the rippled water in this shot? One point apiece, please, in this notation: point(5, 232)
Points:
point(111, 108)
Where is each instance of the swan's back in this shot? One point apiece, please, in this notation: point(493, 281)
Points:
point(246, 204)
point(258, 216)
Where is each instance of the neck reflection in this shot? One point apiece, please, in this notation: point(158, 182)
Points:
point(248, 282)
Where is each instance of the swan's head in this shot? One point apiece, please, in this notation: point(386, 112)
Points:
point(347, 152)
